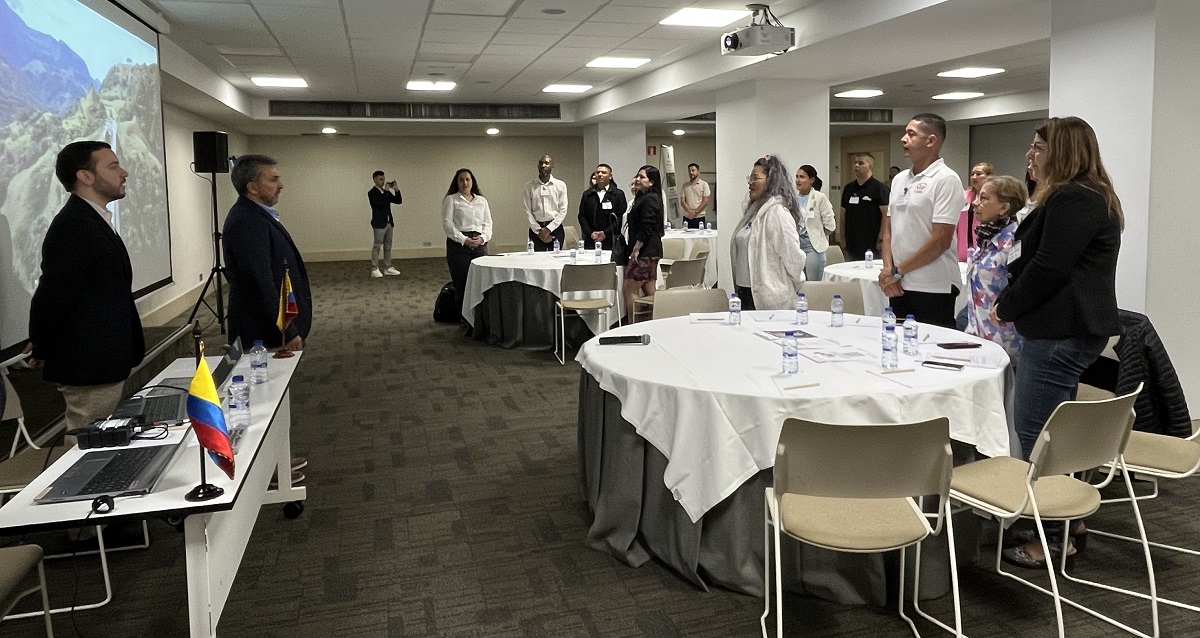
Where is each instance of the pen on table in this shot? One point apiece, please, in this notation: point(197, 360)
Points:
point(802, 386)
point(926, 338)
point(858, 320)
point(949, 358)
point(710, 319)
point(898, 371)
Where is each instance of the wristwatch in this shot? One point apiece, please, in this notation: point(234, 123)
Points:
point(897, 274)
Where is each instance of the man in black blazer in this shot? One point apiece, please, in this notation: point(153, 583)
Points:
point(600, 209)
point(84, 329)
point(381, 197)
point(257, 251)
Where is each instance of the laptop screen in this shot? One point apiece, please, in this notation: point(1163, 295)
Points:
point(233, 352)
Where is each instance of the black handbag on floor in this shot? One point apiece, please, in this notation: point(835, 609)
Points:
point(443, 309)
point(620, 250)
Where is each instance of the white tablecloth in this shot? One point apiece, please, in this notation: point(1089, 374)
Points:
point(690, 238)
point(541, 270)
point(705, 395)
point(874, 301)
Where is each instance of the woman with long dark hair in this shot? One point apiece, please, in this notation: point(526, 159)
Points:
point(1063, 294)
point(467, 222)
point(816, 221)
point(768, 264)
point(643, 230)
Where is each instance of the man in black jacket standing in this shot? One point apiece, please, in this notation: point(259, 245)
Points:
point(600, 209)
point(84, 329)
point(381, 197)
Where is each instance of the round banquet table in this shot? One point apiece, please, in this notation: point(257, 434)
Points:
point(509, 300)
point(874, 301)
point(676, 441)
point(689, 238)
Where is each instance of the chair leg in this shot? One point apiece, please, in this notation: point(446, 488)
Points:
point(954, 591)
point(1053, 591)
point(107, 585)
point(560, 323)
point(45, 600)
point(778, 579)
point(762, 621)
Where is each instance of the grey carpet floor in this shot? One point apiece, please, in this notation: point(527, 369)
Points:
point(443, 501)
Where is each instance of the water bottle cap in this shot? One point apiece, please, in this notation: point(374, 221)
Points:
point(257, 342)
point(887, 309)
point(799, 294)
point(237, 378)
point(837, 296)
point(889, 328)
point(733, 295)
point(910, 317)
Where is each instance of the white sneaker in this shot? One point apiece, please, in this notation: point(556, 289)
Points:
point(375, 273)
point(391, 271)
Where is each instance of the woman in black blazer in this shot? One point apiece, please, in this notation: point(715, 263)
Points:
point(643, 230)
point(1062, 296)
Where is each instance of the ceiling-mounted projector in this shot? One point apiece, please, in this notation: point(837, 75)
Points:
point(764, 35)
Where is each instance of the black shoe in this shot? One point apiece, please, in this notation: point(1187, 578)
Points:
point(1019, 557)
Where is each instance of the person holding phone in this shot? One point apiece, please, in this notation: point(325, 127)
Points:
point(381, 197)
point(1062, 297)
point(996, 206)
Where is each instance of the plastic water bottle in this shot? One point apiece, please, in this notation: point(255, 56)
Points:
point(791, 354)
point(599, 252)
point(557, 247)
point(910, 336)
point(258, 363)
point(889, 319)
point(529, 247)
point(889, 359)
point(582, 247)
point(239, 404)
point(735, 310)
point(801, 309)
point(868, 259)
point(668, 225)
point(836, 310)
point(574, 256)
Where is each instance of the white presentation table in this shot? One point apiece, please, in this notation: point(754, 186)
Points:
point(689, 239)
point(874, 301)
point(215, 531)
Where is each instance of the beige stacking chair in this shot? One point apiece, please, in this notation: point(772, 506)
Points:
point(577, 278)
point(820, 295)
point(17, 564)
point(855, 488)
point(1079, 436)
point(21, 467)
point(684, 301)
point(834, 255)
point(684, 273)
point(570, 237)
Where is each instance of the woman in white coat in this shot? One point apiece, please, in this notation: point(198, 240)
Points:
point(816, 221)
point(768, 264)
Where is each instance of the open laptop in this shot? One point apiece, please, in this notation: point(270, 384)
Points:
point(168, 401)
point(127, 471)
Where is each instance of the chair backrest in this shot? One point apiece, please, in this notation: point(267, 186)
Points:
point(864, 461)
point(12, 403)
point(570, 237)
point(834, 255)
point(686, 272)
point(684, 301)
point(673, 249)
point(1082, 435)
point(588, 277)
point(699, 251)
point(820, 295)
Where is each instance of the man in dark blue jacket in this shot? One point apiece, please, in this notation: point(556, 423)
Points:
point(381, 198)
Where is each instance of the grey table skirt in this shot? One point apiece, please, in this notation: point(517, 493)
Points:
point(517, 315)
point(636, 518)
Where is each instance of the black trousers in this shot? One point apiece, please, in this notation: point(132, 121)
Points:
point(458, 259)
point(936, 308)
point(540, 246)
point(747, 297)
point(693, 222)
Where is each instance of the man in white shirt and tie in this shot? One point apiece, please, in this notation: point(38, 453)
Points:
point(545, 201)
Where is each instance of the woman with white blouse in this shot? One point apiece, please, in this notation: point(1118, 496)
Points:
point(467, 221)
point(768, 264)
point(816, 221)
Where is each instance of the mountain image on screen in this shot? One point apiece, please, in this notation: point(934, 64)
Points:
point(36, 70)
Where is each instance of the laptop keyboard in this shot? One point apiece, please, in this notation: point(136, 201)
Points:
point(121, 470)
point(165, 408)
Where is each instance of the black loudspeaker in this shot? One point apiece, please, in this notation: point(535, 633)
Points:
point(210, 151)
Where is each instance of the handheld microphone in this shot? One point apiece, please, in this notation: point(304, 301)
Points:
point(639, 340)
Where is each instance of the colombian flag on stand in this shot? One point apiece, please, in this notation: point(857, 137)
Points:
point(208, 422)
point(287, 303)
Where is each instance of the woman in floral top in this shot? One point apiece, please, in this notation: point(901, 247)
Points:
point(996, 207)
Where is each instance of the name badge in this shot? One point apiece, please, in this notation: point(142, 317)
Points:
point(1014, 253)
point(853, 199)
point(606, 205)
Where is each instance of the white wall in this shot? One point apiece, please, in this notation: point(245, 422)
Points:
point(326, 179)
point(1004, 145)
point(190, 200)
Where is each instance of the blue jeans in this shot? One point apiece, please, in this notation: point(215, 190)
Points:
point(814, 263)
point(1048, 375)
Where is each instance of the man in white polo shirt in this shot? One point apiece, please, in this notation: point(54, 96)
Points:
point(920, 272)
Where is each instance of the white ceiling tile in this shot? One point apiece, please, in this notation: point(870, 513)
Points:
point(208, 14)
point(259, 63)
point(581, 55)
point(664, 32)
point(669, 4)
point(531, 39)
point(449, 48)
point(447, 69)
point(480, 24)
point(518, 50)
point(261, 49)
point(446, 58)
point(591, 42)
point(380, 45)
point(572, 11)
point(321, 18)
point(295, 3)
point(642, 15)
point(609, 29)
point(554, 27)
point(473, 7)
point(452, 37)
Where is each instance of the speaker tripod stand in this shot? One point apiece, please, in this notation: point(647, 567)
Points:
point(218, 269)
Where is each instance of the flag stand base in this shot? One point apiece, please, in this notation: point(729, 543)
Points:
point(204, 492)
point(283, 353)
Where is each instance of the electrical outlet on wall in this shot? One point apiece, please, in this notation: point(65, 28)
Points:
point(427, 244)
point(200, 277)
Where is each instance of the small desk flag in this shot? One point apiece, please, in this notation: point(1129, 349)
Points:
point(208, 422)
point(287, 303)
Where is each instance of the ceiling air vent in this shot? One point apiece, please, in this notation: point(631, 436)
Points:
point(866, 116)
point(415, 110)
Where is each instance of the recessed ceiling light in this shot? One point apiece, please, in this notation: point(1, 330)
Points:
point(704, 17)
point(677, 132)
point(278, 82)
point(567, 88)
point(329, 130)
point(859, 93)
point(554, 12)
point(493, 131)
point(617, 63)
point(427, 85)
point(970, 72)
point(958, 95)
